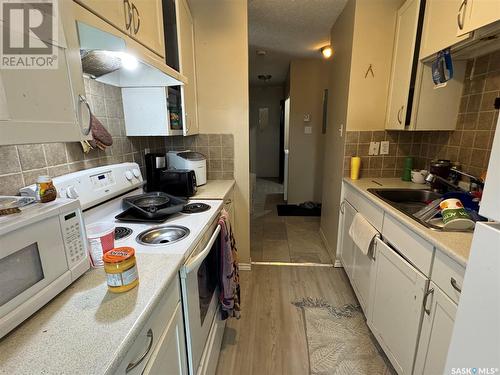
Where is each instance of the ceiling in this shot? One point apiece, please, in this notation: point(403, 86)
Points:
point(287, 29)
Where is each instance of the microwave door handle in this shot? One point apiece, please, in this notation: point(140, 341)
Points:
point(196, 261)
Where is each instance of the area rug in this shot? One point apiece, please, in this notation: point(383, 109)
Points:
point(339, 341)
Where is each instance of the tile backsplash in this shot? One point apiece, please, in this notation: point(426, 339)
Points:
point(470, 144)
point(20, 165)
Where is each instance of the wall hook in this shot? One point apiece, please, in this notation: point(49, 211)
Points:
point(370, 70)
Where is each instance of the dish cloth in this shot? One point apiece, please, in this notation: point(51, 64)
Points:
point(229, 275)
point(100, 136)
point(362, 233)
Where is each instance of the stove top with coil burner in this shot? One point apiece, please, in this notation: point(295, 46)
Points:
point(122, 232)
point(194, 208)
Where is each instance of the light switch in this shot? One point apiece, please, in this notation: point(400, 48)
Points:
point(307, 117)
point(373, 150)
point(308, 130)
point(384, 148)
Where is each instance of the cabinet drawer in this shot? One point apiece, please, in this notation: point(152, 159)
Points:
point(369, 210)
point(448, 275)
point(413, 247)
point(155, 325)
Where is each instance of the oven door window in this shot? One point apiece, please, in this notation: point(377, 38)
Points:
point(207, 280)
point(19, 271)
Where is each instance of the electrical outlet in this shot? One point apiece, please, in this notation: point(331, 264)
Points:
point(384, 148)
point(308, 129)
point(147, 151)
point(373, 150)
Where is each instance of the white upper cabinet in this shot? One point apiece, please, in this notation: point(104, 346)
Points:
point(440, 27)
point(473, 14)
point(187, 64)
point(141, 19)
point(402, 64)
point(414, 102)
point(46, 105)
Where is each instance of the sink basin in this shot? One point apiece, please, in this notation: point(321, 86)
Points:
point(161, 236)
point(407, 200)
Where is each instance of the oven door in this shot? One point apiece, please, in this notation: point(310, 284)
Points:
point(200, 296)
point(32, 263)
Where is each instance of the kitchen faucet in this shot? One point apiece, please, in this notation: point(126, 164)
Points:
point(473, 179)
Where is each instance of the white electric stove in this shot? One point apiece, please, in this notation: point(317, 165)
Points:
point(101, 192)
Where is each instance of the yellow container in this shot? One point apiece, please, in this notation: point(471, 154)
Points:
point(121, 269)
point(355, 167)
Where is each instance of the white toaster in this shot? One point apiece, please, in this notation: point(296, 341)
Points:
point(189, 160)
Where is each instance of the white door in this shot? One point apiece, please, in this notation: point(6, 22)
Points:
point(396, 306)
point(402, 62)
point(490, 204)
point(435, 336)
point(347, 244)
point(286, 150)
point(169, 356)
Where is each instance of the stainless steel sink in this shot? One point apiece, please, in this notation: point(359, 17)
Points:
point(161, 236)
point(409, 201)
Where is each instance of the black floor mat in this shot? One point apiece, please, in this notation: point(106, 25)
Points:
point(296, 210)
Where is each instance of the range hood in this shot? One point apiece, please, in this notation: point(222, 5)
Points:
point(106, 59)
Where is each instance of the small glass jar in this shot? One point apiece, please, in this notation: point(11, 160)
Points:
point(45, 189)
point(121, 269)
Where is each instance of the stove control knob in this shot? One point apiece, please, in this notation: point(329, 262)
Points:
point(71, 192)
point(136, 172)
point(128, 175)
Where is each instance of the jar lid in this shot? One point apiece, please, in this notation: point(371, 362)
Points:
point(42, 179)
point(118, 254)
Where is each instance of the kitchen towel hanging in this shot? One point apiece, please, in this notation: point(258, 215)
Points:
point(362, 233)
point(100, 136)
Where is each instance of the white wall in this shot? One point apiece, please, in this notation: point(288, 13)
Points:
point(221, 53)
point(264, 142)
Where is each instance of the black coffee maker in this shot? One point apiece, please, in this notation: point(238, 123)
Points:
point(178, 182)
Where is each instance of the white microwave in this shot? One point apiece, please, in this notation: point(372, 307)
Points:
point(43, 249)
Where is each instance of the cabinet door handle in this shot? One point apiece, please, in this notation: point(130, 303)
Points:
point(128, 12)
point(342, 205)
point(83, 100)
point(455, 286)
point(461, 14)
point(399, 114)
point(229, 201)
point(429, 292)
point(135, 12)
point(133, 365)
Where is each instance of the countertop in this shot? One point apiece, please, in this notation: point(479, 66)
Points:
point(455, 244)
point(214, 189)
point(86, 329)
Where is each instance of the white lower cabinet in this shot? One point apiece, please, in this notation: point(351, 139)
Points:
point(347, 245)
point(169, 357)
point(435, 336)
point(396, 306)
point(361, 278)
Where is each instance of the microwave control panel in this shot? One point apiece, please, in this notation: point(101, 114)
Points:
point(73, 239)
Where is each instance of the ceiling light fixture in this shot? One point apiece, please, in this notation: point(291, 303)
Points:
point(327, 52)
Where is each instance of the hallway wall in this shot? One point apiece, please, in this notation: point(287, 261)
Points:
point(308, 79)
point(264, 142)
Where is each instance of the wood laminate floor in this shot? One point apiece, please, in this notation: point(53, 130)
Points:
point(270, 337)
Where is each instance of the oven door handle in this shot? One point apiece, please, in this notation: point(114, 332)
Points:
point(196, 261)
